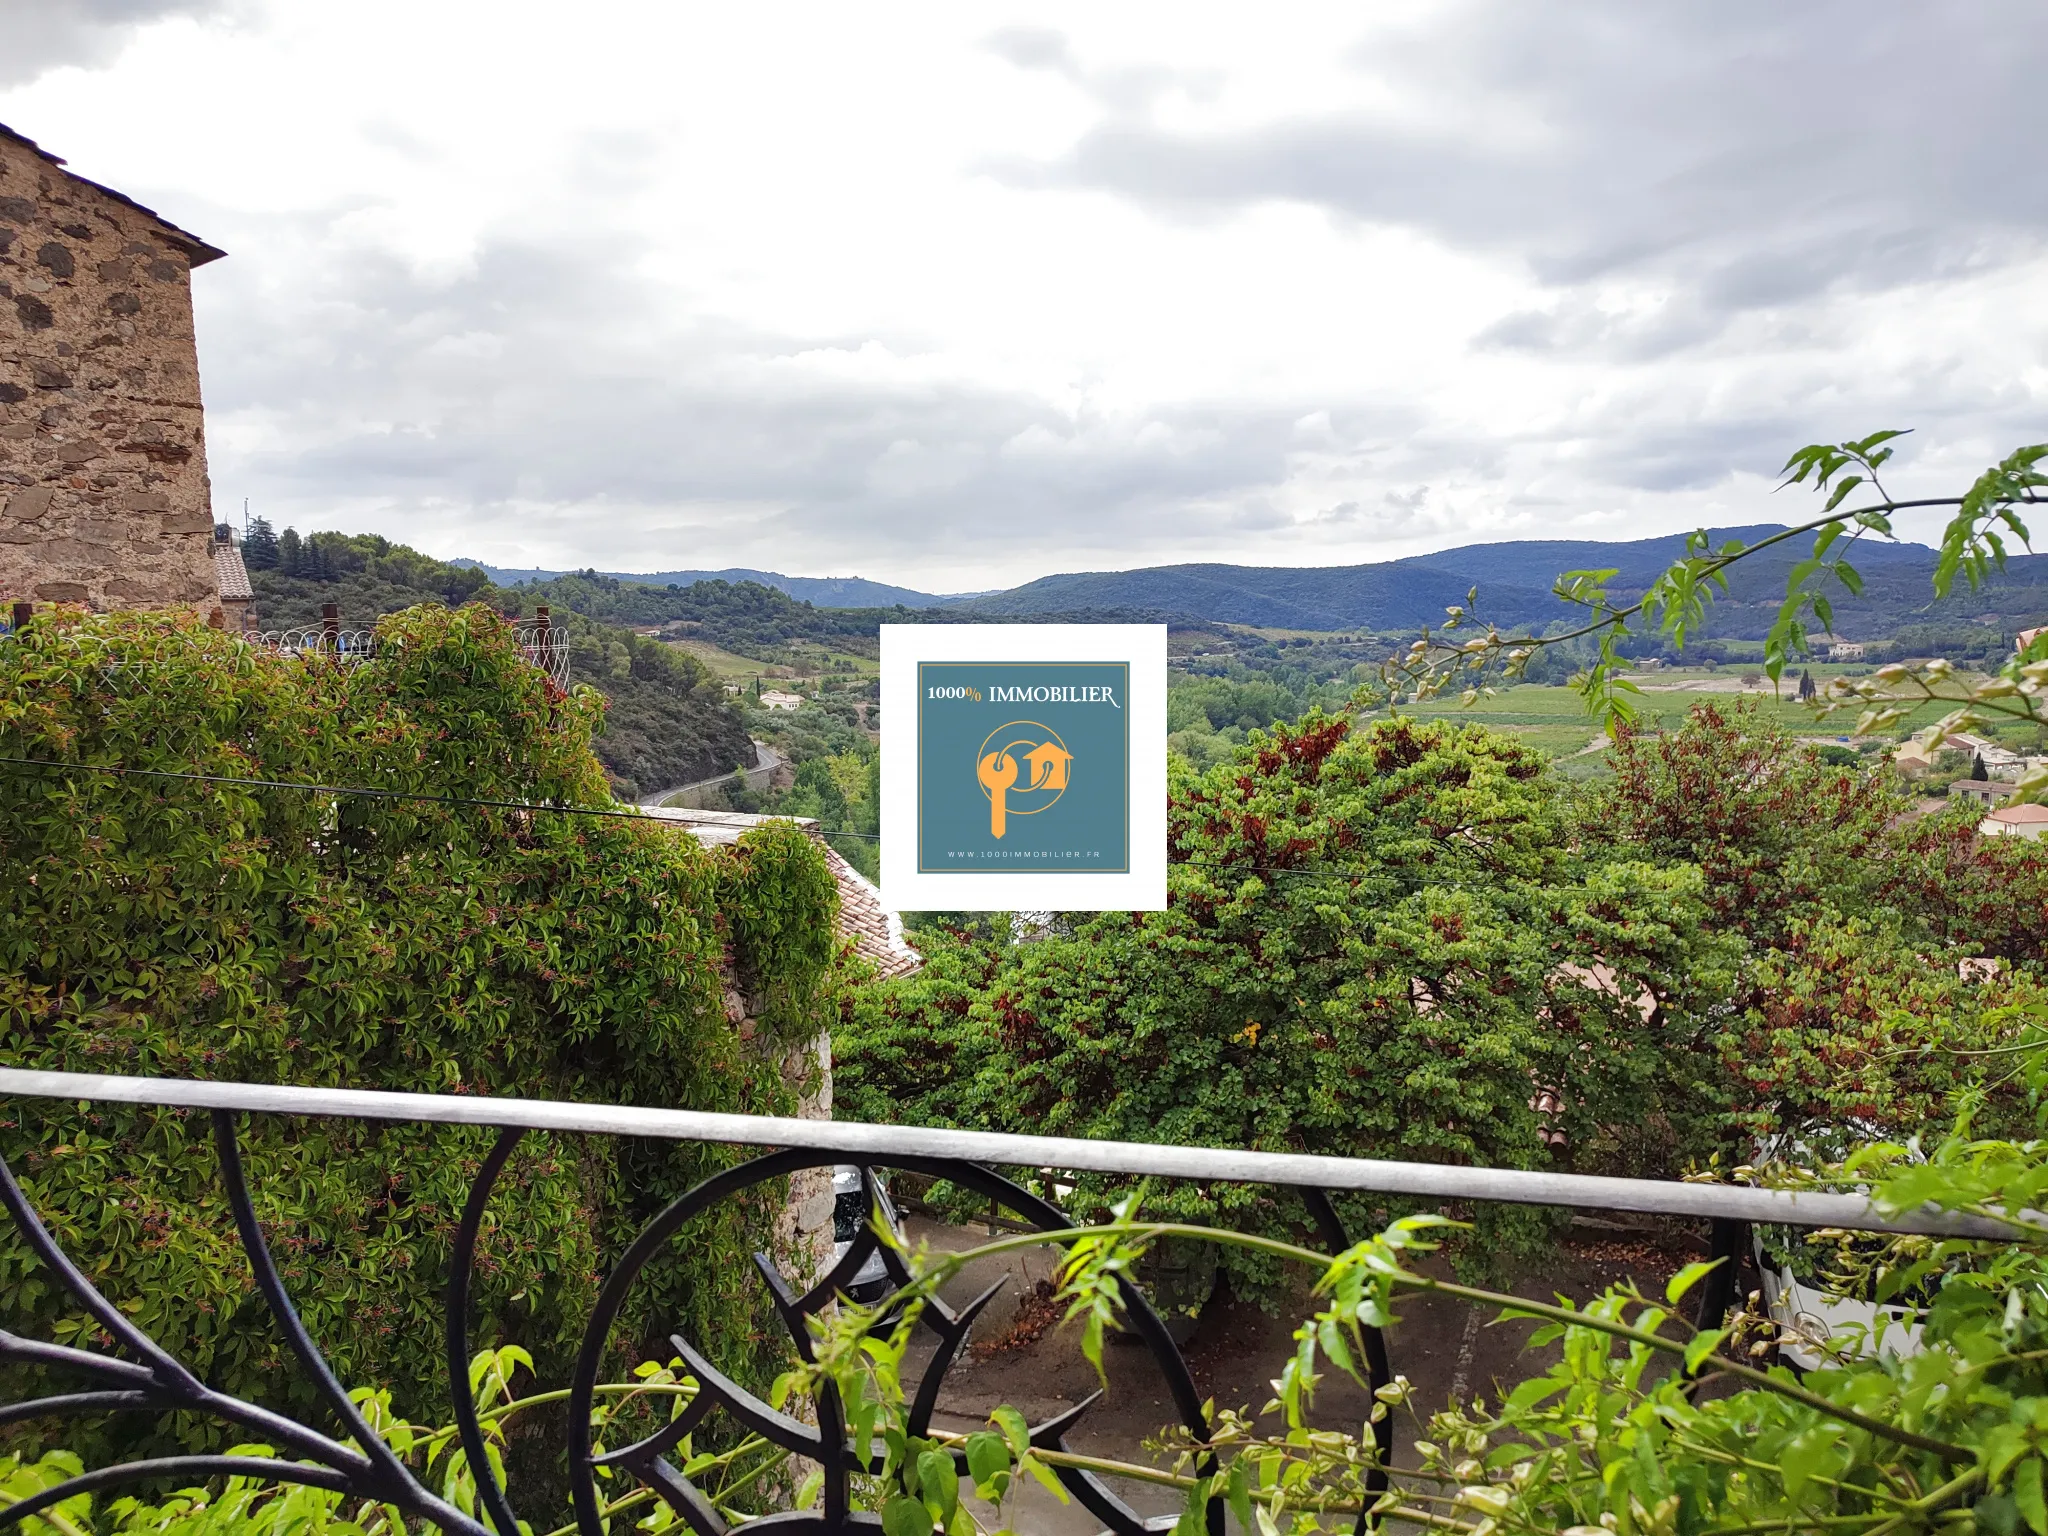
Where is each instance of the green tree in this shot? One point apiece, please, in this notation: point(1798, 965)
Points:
point(1773, 829)
point(259, 546)
point(1377, 944)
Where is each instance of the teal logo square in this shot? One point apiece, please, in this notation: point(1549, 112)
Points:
point(1023, 766)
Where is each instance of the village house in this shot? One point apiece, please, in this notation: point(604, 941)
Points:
point(2030, 821)
point(1915, 761)
point(104, 499)
point(1983, 791)
point(775, 698)
point(231, 576)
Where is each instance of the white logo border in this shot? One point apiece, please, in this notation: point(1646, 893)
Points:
point(1143, 888)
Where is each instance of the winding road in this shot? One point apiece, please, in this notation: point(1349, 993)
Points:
point(767, 759)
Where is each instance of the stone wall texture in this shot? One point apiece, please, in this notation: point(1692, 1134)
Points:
point(104, 498)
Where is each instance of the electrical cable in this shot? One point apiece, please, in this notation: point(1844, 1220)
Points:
point(621, 814)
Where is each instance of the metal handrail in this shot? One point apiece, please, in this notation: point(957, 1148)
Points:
point(1720, 1202)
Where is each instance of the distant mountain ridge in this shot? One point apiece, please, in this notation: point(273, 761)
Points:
point(1514, 579)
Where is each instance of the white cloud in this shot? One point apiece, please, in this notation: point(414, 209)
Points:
point(957, 297)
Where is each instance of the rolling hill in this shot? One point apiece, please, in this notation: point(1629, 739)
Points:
point(1514, 581)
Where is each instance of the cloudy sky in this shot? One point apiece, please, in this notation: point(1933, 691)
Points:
point(962, 294)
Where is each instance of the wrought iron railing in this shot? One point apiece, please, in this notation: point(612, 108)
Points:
point(145, 1374)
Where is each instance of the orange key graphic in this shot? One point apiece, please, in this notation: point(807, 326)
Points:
point(997, 772)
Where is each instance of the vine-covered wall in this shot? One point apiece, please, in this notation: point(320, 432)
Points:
point(185, 928)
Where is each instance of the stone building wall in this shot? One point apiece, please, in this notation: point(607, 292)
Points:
point(803, 1228)
point(104, 498)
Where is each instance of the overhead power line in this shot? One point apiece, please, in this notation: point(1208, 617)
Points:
point(542, 808)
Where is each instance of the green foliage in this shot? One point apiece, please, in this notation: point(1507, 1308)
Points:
point(259, 1505)
point(1209, 716)
point(1381, 939)
point(842, 792)
point(259, 546)
point(740, 616)
point(201, 929)
point(1977, 895)
point(1676, 603)
point(1377, 944)
point(1845, 1023)
point(666, 720)
point(1782, 835)
point(365, 572)
point(1863, 985)
point(781, 901)
point(1773, 828)
point(1644, 1426)
point(827, 726)
point(1950, 1435)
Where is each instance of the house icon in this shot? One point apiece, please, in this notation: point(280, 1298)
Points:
point(1050, 763)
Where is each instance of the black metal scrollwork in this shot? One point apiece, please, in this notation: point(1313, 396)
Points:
point(143, 1376)
point(154, 1380)
point(825, 1443)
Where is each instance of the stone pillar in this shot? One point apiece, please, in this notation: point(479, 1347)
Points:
point(803, 1229)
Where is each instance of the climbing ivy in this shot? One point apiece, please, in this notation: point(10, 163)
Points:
point(206, 929)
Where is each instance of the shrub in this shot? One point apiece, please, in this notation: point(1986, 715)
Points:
point(203, 929)
point(1847, 1023)
point(1985, 895)
point(1773, 828)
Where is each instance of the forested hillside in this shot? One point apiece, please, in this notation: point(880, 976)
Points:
point(1514, 582)
point(827, 591)
point(745, 617)
point(667, 723)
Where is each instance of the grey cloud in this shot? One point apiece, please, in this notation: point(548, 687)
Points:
point(1756, 154)
point(541, 397)
point(558, 389)
point(1125, 89)
point(1578, 325)
point(535, 378)
point(1035, 48)
point(42, 35)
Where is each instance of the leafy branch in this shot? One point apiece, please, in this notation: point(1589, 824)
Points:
point(1676, 604)
point(1303, 1474)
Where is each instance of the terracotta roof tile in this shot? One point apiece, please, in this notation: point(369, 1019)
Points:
point(877, 933)
point(232, 575)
